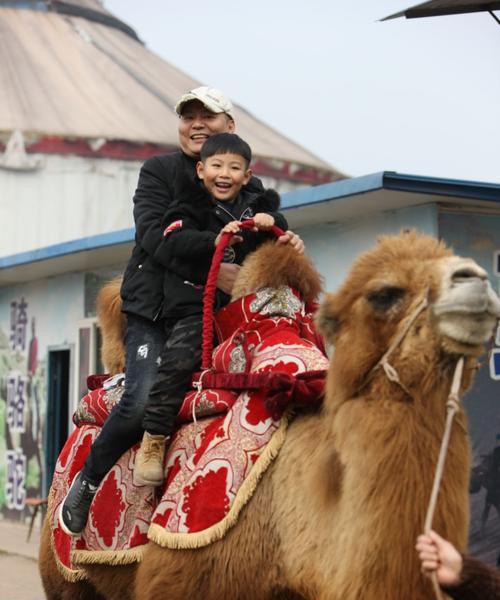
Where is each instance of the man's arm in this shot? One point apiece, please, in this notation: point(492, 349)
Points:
point(151, 199)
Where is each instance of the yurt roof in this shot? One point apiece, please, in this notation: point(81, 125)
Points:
point(71, 70)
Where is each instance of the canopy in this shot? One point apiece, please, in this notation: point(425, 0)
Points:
point(436, 8)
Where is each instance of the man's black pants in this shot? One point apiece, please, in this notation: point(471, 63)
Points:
point(179, 359)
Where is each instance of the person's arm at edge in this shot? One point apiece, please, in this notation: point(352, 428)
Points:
point(478, 581)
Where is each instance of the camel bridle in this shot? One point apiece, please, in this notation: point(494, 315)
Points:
point(390, 371)
point(453, 407)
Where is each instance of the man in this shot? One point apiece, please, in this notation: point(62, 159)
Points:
point(202, 112)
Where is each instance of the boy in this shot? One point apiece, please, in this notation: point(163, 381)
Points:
point(194, 228)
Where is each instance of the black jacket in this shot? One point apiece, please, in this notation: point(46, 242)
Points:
point(142, 288)
point(195, 221)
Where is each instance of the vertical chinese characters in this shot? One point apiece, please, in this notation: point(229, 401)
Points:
point(16, 386)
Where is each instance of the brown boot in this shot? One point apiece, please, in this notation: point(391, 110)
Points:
point(148, 469)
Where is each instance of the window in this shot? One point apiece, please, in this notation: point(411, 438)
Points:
point(88, 355)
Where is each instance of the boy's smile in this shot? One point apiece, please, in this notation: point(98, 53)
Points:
point(224, 175)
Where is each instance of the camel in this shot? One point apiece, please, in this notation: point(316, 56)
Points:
point(337, 514)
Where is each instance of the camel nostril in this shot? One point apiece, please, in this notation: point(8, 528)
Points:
point(467, 273)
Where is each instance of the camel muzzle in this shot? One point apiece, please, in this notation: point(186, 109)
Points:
point(468, 310)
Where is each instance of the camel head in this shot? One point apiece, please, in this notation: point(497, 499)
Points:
point(408, 276)
point(275, 265)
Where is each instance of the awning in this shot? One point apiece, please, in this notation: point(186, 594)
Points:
point(437, 8)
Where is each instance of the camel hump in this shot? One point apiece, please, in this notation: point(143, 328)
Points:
point(275, 265)
point(112, 323)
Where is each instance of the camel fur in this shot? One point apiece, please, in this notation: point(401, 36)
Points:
point(112, 322)
point(337, 514)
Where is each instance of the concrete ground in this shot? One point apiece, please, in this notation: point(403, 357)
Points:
point(19, 577)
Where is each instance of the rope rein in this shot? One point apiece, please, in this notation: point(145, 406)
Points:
point(452, 408)
point(207, 343)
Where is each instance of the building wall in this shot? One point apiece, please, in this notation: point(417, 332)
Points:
point(67, 198)
point(334, 246)
point(33, 318)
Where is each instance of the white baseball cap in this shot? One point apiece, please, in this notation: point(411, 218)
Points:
point(213, 99)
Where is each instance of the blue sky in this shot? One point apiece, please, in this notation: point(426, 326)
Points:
point(417, 96)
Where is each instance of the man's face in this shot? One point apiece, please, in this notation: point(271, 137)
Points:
point(223, 175)
point(197, 124)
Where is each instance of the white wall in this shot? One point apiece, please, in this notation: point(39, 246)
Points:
point(334, 246)
point(66, 199)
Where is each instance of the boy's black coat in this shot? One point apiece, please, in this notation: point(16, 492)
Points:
point(188, 250)
point(142, 288)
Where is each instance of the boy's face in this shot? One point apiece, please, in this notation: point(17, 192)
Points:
point(224, 175)
point(197, 124)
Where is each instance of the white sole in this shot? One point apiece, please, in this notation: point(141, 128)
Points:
point(139, 481)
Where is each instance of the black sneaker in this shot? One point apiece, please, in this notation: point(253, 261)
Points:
point(74, 510)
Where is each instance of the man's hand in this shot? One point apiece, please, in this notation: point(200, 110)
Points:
point(227, 276)
point(439, 556)
point(294, 240)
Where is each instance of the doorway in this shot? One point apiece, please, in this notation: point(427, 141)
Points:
point(58, 384)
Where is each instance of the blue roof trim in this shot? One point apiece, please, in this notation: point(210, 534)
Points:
point(332, 191)
point(476, 190)
point(94, 242)
point(390, 180)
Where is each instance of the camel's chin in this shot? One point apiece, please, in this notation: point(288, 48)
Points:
point(469, 332)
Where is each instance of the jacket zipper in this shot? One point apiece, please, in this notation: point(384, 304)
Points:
point(231, 214)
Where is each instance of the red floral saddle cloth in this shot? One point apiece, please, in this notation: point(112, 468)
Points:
point(225, 441)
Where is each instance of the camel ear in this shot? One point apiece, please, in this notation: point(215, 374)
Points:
point(327, 320)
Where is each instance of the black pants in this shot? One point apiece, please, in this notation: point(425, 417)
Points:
point(144, 341)
point(180, 358)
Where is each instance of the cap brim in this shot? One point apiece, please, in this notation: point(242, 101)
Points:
point(207, 103)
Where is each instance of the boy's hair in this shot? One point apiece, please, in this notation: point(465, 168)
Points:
point(226, 143)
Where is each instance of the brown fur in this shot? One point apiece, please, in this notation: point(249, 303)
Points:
point(337, 514)
point(275, 265)
point(112, 322)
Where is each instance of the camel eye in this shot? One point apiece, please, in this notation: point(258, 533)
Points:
point(384, 298)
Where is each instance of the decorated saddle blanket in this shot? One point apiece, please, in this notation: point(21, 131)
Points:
point(225, 441)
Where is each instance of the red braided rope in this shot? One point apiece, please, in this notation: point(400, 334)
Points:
point(207, 343)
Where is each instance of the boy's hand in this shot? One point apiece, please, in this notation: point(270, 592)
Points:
point(232, 227)
point(439, 556)
point(263, 222)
